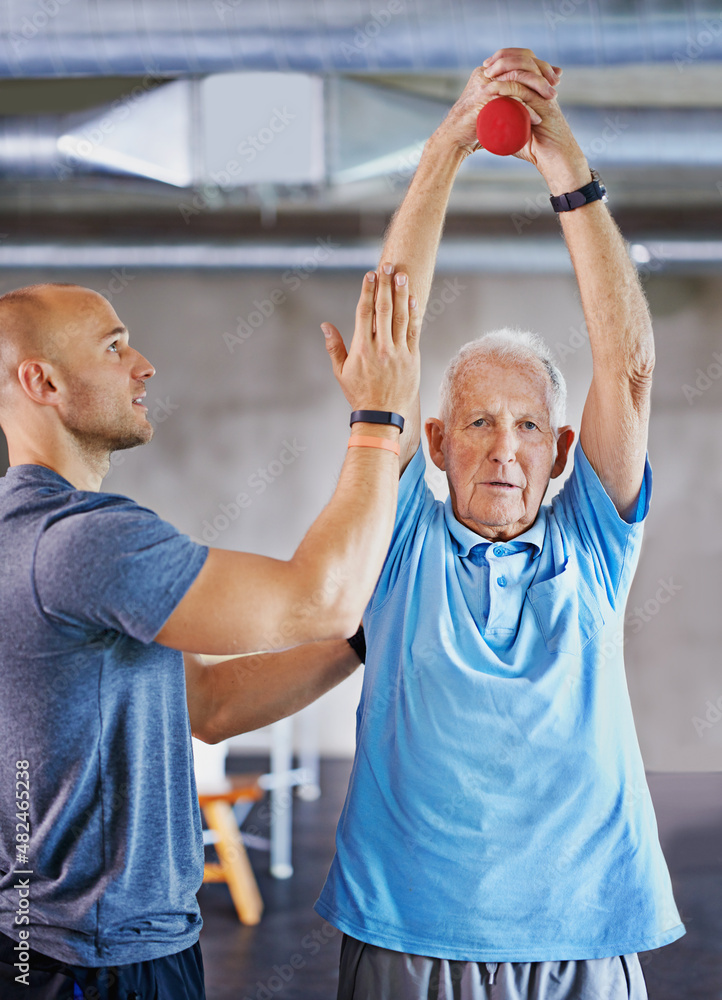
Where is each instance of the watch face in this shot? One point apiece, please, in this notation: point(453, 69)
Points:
point(601, 185)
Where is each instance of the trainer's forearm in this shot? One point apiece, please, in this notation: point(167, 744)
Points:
point(248, 692)
point(412, 240)
point(339, 560)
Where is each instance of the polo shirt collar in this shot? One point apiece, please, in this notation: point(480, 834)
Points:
point(465, 539)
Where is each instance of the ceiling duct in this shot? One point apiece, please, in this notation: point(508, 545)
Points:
point(285, 130)
point(51, 38)
point(229, 130)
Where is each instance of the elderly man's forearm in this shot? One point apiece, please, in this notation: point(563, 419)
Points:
point(412, 240)
point(615, 308)
point(614, 305)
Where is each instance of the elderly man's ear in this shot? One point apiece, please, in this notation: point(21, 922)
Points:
point(565, 440)
point(435, 436)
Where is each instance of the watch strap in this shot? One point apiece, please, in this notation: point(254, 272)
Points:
point(594, 191)
point(377, 417)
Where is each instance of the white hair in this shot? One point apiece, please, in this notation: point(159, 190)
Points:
point(511, 345)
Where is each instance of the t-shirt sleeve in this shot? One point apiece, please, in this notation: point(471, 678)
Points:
point(612, 542)
point(115, 567)
point(415, 503)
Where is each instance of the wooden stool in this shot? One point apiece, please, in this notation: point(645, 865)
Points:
point(234, 868)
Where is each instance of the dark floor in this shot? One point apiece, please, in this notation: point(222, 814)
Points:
point(293, 954)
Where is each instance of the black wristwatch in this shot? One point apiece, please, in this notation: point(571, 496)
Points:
point(594, 191)
point(377, 417)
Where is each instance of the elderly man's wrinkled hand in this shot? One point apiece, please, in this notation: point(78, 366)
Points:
point(552, 147)
point(380, 371)
point(508, 73)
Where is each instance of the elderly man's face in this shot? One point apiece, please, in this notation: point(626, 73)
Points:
point(497, 447)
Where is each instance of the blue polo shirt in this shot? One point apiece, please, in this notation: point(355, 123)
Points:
point(498, 808)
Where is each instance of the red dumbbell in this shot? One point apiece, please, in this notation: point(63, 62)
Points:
point(503, 126)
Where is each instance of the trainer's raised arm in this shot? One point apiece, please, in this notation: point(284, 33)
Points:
point(242, 602)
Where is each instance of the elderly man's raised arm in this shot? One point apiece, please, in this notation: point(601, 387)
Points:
point(614, 426)
point(616, 414)
point(413, 237)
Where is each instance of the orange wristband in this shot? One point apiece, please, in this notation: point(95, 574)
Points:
point(374, 442)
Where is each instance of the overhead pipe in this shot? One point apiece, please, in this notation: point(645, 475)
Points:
point(298, 261)
point(54, 38)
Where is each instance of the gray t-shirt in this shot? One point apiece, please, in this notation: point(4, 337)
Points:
point(98, 711)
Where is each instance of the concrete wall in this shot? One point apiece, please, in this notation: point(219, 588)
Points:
point(224, 416)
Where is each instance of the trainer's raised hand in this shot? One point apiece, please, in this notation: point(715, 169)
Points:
point(380, 370)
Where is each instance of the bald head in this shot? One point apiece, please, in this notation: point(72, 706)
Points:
point(37, 322)
point(71, 385)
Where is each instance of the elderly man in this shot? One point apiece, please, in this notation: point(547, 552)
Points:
point(100, 836)
point(498, 828)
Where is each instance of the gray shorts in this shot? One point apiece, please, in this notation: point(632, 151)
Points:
point(371, 973)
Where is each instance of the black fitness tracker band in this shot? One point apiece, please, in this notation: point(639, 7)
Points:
point(357, 643)
point(594, 191)
point(377, 417)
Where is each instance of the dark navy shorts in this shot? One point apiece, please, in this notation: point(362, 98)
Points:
point(173, 977)
point(371, 973)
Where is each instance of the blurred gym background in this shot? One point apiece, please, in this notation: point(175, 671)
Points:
point(223, 171)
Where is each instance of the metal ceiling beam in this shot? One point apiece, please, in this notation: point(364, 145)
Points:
point(528, 255)
point(51, 38)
